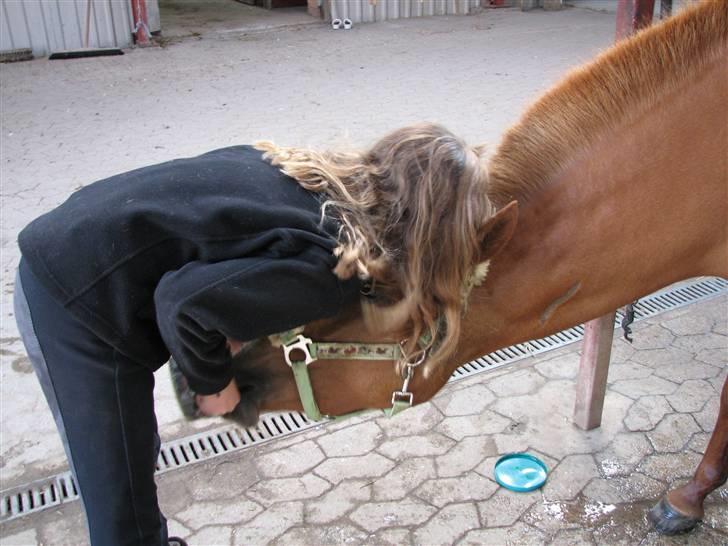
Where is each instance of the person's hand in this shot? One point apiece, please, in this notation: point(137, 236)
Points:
point(219, 403)
point(234, 346)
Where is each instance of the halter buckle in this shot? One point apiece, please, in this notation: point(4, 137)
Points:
point(401, 396)
point(301, 343)
point(405, 395)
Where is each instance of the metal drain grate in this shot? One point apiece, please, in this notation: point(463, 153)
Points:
point(43, 494)
point(227, 439)
point(37, 496)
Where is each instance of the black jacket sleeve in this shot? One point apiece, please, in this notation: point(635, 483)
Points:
point(202, 304)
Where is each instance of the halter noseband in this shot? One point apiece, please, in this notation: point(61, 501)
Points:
point(293, 340)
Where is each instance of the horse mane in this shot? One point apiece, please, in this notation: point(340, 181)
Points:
point(618, 85)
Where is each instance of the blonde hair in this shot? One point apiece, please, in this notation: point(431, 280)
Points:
point(410, 209)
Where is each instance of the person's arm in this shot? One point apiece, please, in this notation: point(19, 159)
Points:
point(202, 305)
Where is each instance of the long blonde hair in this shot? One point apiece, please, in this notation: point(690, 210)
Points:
point(410, 209)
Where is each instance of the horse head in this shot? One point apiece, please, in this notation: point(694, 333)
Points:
point(343, 385)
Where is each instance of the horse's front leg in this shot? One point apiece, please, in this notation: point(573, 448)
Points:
point(682, 508)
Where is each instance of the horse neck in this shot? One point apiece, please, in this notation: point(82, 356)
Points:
point(643, 208)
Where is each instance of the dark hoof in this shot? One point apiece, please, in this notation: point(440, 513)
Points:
point(669, 521)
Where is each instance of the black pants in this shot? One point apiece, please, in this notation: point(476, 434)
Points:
point(103, 405)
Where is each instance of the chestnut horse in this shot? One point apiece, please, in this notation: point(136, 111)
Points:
point(613, 185)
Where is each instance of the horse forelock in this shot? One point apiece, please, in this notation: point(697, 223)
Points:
point(620, 83)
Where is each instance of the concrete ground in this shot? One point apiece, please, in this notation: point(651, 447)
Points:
point(67, 123)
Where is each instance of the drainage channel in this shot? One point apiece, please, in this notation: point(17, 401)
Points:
point(59, 489)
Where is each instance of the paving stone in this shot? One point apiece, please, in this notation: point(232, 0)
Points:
point(374, 516)
point(652, 336)
point(708, 416)
point(572, 537)
point(673, 432)
point(634, 388)
point(569, 477)
point(337, 502)
point(219, 535)
point(512, 442)
point(657, 358)
point(468, 401)
point(486, 422)
point(670, 466)
point(624, 453)
point(716, 514)
point(176, 529)
point(714, 357)
point(517, 534)
point(516, 384)
point(67, 524)
point(351, 441)
point(267, 492)
point(403, 478)
point(347, 468)
point(689, 324)
point(200, 514)
point(506, 507)
point(229, 478)
point(699, 442)
point(617, 490)
point(700, 536)
point(330, 535)
point(691, 369)
point(691, 396)
point(628, 370)
point(443, 491)
point(553, 516)
point(415, 421)
point(545, 421)
point(624, 525)
point(448, 525)
point(389, 537)
point(419, 446)
point(694, 344)
point(24, 538)
point(289, 461)
point(563, 367)
point(646, 412)
point(466, 455)
point(268, 525)
point(719, 381)
point(622, 350)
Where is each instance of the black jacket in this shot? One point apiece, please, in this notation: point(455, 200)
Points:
point(177, 257)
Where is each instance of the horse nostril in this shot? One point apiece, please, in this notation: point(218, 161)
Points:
point(247, 388)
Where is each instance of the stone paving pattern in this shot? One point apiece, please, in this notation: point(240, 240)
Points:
point(424, 477)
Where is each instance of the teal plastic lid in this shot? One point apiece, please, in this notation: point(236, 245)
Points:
point(520, 472)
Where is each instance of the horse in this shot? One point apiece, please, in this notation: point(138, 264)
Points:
point(611, 186)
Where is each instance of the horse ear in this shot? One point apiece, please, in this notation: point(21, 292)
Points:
point(498, 230)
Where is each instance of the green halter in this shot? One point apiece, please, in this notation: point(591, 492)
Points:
point(293, 340)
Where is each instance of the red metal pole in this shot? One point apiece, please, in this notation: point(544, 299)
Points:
point(142, 36)
point(633, 15)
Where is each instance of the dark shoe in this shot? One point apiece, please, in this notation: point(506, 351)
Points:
point(176, 541)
